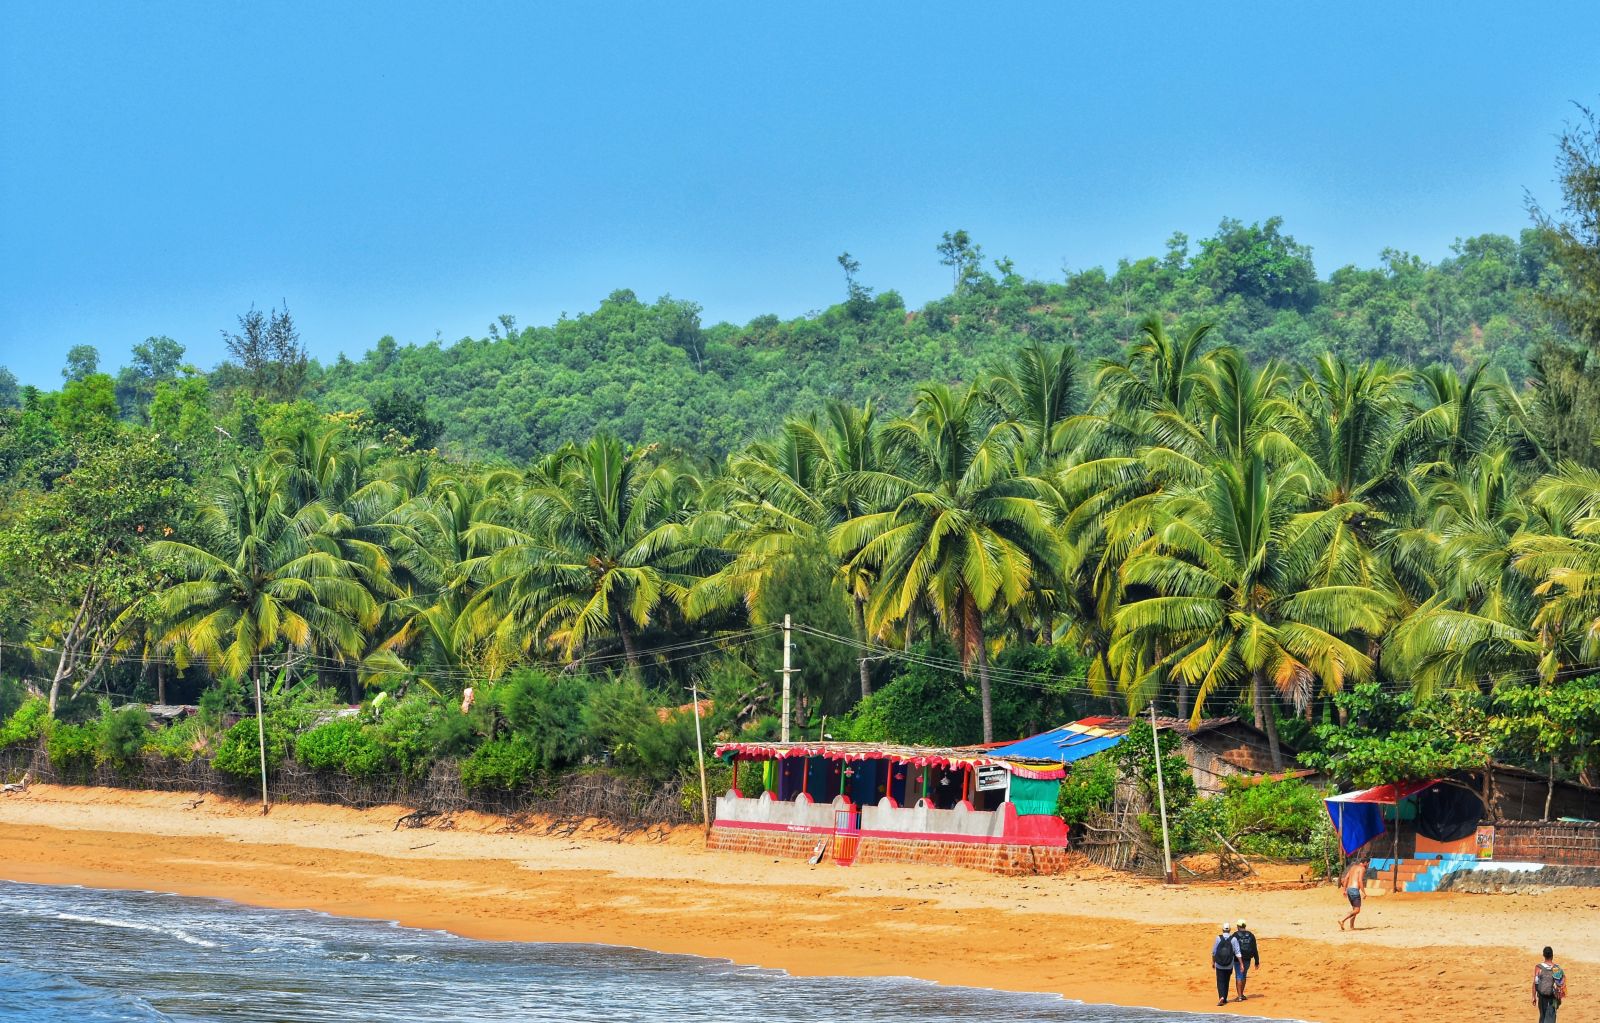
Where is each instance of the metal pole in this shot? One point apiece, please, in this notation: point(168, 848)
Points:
point(787, 672)
point(1161, 795)
point(700, 754)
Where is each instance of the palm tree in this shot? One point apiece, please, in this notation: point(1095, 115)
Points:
point(1039, 390)
point(597, 545)
point(264, 573)
point(962, 528)
point(1229, 604)
point(777, 505)
point(1480, 626)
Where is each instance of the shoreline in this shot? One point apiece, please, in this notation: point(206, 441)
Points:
point(1089, 936)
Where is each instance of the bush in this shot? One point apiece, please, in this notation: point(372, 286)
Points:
point(505, 764)
point(123, 734)
point(1090, 786)
point(544, 712)
point(342, 744)
point(239, 752)
point(415, 730)
point(27, 723)
point(74, 747)
point(181, 741)
point(922, 706)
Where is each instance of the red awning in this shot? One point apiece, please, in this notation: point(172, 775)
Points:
point(1385, 794)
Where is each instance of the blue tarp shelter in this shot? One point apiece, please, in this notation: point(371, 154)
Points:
point(1066, 744)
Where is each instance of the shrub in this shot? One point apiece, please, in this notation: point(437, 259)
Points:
point(505, 764)
point(181, 741)
point(74, 747)
point(546, 713)
point(27, 723)
point(342, 744)
point(415, 730)
point(239, 751)
point(1090, 785)
point(123, 734)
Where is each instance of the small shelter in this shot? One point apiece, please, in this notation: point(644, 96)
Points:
point(1214, 748)
point(884, 802)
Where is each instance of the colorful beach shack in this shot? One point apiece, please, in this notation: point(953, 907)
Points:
point(870, 802)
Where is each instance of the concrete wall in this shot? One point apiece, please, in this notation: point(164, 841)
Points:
point(924, 820)
point(800, 815)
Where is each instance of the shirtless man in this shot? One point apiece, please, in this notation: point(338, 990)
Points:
point(1355, 878)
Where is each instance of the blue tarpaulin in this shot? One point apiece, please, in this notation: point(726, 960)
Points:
point(1358, 816)
point(1356, 823)
point(1064, 745)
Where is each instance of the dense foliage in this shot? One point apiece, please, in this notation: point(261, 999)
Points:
point(1363, 511)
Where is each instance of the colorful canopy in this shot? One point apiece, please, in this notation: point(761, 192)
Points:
point(1358, 816)
point(921, 756)
point(1068, 743)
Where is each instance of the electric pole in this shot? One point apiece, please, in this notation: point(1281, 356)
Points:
point(1161, 795)
point(788, 672)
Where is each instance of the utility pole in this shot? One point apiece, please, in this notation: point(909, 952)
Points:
point(261, 733)
point(700, 754)
point(788, 672)
point(1161, 795)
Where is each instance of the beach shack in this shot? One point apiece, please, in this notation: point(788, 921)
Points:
point(871, 802)
point(1216, 749)
point(1502, 818)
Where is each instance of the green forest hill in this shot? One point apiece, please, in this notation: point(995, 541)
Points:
point(652, 372)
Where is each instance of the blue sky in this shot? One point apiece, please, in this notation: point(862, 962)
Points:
point(409, 169)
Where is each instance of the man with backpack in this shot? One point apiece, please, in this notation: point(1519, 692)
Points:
point(1224, 953)
point(1549, 987)
point(1249, 954)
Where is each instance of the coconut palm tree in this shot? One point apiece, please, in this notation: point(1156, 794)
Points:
point(265, 574)
point(597, 545)
point(1229, 604)
point(962, 528)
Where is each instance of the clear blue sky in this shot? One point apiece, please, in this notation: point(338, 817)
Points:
point(407, 168)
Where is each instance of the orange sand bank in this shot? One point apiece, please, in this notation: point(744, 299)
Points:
point(1091, 936)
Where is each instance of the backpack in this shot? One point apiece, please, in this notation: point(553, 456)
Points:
point(1222, 953)
point(1547, 979)
point(1247, 945)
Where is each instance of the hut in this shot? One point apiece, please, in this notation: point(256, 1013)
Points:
point(1417, 832)
point(872, 802)
point(1215, 749)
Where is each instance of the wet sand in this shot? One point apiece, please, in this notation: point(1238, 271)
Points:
point(1091, 935)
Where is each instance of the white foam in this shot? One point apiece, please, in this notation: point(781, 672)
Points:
point(171, 932)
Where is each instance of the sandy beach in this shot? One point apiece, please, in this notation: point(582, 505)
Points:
point(1089, 935)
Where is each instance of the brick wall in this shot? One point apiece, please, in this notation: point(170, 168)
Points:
point(992, 857)
point(1568, 845)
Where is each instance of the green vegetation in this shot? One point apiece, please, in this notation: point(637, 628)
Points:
point(1362, 511)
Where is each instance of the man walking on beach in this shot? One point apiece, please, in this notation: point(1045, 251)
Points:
point(1249, 954)
point(1224, 953)
point(1355, 878)
point(1549, 986)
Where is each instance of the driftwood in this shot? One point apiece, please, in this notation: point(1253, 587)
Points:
point(21, 786)
point(1223, 857)
point(415, 819)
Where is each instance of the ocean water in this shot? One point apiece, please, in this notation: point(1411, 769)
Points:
point(89, 956)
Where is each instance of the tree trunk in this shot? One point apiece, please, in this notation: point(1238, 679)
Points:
point(625, 632)
point(983, 679)
point(1183, 701)
point(866, 641)
point(161, 683)
point(1550, 788)
point(1266, 720)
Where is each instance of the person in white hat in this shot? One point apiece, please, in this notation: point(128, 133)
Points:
point(1224, 953)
